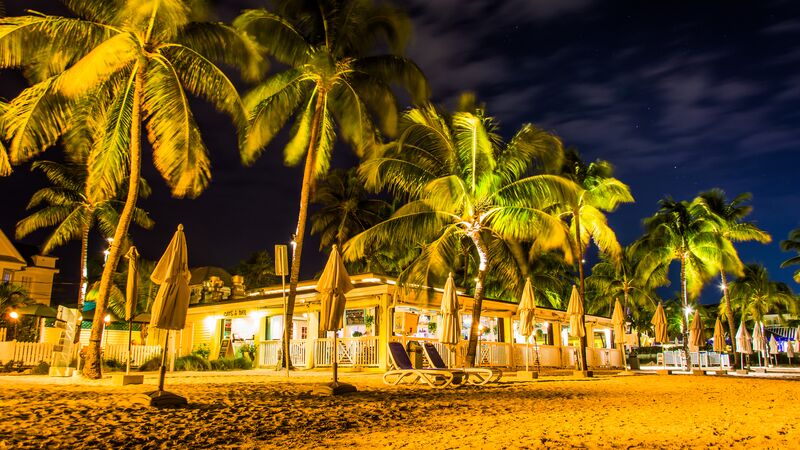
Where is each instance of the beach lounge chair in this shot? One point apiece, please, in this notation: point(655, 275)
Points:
point(476, 375)
point(403, 371)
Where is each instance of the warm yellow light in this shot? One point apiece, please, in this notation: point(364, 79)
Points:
point(14, 315)
point(107, 318)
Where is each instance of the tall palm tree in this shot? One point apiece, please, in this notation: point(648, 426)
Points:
point(685, 232)
point(792, 244)
point(335, 84)
point(461, 181)
point(66, 207)
point(600, 192)
point(732, 228)
point(142, 58)
point(611, 279)
point(754, 294)
point(346, 208)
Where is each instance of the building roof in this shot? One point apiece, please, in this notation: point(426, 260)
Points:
point(200, 274)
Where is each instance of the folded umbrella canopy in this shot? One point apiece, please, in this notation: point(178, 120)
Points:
point(172, 274)
point(773, 345)
point(719, 337)
point(660, 324)
point(618, 319)
point(697, 336)
point(526, 312)
point(575, 313)
point(450, 326)
point(759, 343)
point(744, 344)
point(131, 295)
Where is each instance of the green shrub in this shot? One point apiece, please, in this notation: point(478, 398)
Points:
point(202, 350)
point(192, 362)
point(42, 368)
point(151, 364)
point(231, 364)
point(113, 364)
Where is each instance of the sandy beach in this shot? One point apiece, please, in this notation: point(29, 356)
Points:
point(260, 409)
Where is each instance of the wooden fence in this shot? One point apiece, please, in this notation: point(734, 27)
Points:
point(31, 353)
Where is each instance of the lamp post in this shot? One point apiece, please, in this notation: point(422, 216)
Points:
point(106, 321)
point(107, 251)
point(13, 315)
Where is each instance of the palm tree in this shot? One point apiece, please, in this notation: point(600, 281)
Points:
point(346, 208)
point(12, 296)
point(618, 279)
point(600, 192)
point(754, 294)
point(335, 79)
point(142, 59)
point(463, 183)
point(66, 207)
point(258, 270)
point(792, 244)
point(732, 228)
point(685, 232)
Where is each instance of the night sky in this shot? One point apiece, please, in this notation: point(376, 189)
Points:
point(681, 96)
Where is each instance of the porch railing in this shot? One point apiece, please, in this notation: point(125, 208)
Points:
point(31, 353)
point(351, 352)
point(268, 352)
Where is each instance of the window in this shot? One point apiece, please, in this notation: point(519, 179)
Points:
point(7, 273)
point(27, 282)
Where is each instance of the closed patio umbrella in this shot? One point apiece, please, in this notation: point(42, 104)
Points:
point(131, 294)
point(618, 319)
point(450, 326)
point(575, 313)
point(773, 348)
point(526, 312)
point(170, 306)
point(789, 352)
point(719, 337)
point(332, 287)
point(696, 333)
point(759, 343)
point(743, 343)
point(660, 324)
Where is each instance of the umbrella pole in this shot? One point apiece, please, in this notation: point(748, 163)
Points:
point(163, 370)
point(335, 357)
point(130, 335)
point(527, 351)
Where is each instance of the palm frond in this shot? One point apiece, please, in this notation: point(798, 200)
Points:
point(44, 218)
point(297, 146)
point(270, 105)
point(353, 118)
point(396, 69)
point(179, 152)
point(113, 55)
point(277, 35)
point(222, 43)
point(68, 229)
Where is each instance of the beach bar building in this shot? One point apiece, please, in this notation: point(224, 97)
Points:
point(379, 311)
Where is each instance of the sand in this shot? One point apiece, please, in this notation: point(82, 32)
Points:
point(260, 409)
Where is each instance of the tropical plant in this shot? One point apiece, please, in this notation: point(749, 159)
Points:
point(462, 183)
point(792, 244)
point(258, 270)
point(514, 261)
point(685, 232)
point(12, 296)
point(610, 280)
point(600, 192)
point(335, 84)
point(732, 228)
point(346, 208)
point(141, 58)
point(66, 207)
point(755, 295)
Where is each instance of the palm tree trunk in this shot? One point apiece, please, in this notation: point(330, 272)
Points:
point(684, 319)
point(305, 195)
point(581, 290)
point(729, 313)
point(477, 302)
point(92, 367)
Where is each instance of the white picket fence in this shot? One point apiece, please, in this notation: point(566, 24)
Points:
point(268, 353)
point(352, 352)
point(31, 353)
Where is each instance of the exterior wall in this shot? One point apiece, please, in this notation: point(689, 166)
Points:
point(36, 279)
point(203, 320)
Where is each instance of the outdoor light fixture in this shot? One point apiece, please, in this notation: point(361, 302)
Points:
point(14, 315)
point(107, 318)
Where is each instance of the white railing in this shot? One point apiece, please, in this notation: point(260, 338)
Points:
point(548, 355)
point(268, 352)
point(492, 354)
point(139, 353)
point(351, 352)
